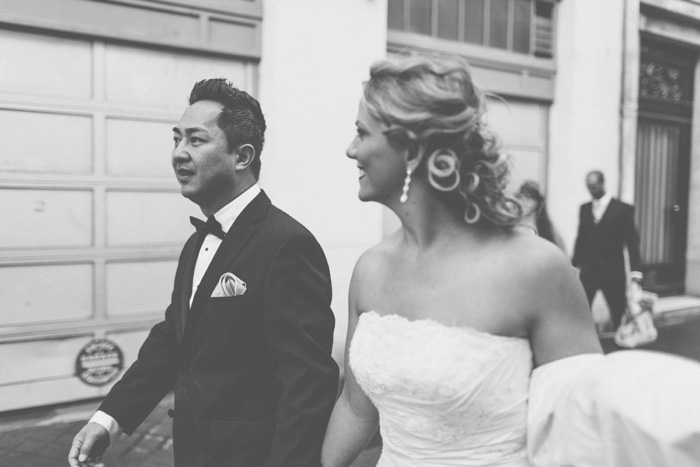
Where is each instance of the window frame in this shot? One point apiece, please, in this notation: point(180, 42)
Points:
point(486, 22)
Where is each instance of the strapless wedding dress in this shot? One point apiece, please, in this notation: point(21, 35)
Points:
point(446, 395)
point(455, 396)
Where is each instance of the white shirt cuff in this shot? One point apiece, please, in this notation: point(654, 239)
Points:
point(109, 423)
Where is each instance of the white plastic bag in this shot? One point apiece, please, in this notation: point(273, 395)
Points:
point(637, 327)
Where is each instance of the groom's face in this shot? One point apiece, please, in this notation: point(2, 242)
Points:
point(204, 166)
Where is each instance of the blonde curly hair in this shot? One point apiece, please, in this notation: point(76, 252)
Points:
point(432, 107)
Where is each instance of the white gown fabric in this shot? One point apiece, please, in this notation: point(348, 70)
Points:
point(629, 408)
point(446, 396)
point(454, 396)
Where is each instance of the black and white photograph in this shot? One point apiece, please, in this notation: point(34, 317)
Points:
point(350, 233)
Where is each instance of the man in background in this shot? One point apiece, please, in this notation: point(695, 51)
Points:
point(606, 228)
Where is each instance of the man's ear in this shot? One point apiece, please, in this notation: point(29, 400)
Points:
point(246, 155)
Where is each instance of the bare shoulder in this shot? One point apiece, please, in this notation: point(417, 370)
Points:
point(535, 256)
point(367, 270)
point(559, 319)
point(369, 261)
point(542, 276)
point(372, 258)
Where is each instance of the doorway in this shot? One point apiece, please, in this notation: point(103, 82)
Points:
point(663, 164)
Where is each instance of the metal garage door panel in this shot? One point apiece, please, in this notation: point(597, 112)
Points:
point(148, 218)
point(135, 288)
point(45, 65)
point(45, 218)
point(45, 142)
point(137, 148)
point(43, 293)
point(161, 78)
point(51, 359)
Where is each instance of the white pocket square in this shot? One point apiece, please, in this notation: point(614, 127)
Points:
point(229, 286)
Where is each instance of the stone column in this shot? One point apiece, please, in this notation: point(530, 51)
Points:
point(630, 98)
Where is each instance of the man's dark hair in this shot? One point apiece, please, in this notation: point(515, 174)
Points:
point(598, 174)
point(241, 118)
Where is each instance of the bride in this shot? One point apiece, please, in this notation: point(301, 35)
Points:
point(449, 316)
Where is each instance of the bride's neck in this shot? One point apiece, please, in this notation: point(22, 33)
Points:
point(426, 221)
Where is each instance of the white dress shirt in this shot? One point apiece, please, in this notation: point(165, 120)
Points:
point(226, 217)
point(599, 206)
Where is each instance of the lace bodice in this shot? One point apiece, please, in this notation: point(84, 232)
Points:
point(446, 396)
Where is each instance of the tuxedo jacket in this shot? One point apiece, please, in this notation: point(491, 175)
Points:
point(599, 247)
point(253, 376)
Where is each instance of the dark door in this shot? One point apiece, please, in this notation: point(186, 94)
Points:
point(663, 163)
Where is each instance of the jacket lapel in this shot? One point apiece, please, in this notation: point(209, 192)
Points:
point(235, 240)
point(189, 256)
point(588, 212)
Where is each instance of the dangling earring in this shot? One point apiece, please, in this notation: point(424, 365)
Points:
point(406, 183)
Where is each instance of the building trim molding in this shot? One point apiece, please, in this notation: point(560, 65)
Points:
point(171, 26)
point(513, 74)
point(668, 28)
point(678, 10)
point(249, 8)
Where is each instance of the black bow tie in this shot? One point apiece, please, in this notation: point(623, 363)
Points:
point(211, 226)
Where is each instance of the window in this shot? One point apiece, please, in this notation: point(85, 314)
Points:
point(448, 19)
point(520, 26)
point(544, 29)
point(473, 21)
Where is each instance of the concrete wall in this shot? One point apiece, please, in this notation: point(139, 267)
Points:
point(315, 56)
point(585, 116)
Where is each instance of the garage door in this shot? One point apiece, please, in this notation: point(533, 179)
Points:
point(92, 217)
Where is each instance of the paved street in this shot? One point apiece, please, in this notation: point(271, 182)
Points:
point(42, 437)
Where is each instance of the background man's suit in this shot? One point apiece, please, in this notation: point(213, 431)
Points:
point(253, 377)
point(599, 253)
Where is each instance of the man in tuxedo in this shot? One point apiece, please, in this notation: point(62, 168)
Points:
point(606, 227)
point(246, 341)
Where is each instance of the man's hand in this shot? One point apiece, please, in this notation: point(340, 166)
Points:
point(647, 303)
point(88, 445)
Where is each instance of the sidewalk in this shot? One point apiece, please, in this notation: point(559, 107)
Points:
point(679, 334)
point(42, 438)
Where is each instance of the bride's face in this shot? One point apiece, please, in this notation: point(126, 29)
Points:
point(382, 166)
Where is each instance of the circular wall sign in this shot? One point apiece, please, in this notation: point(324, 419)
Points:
point(99, 362)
